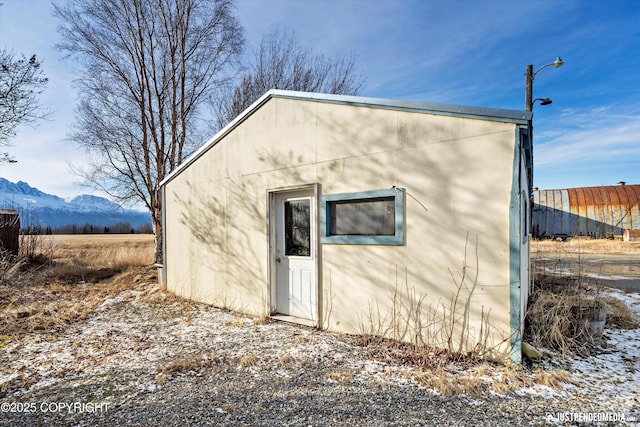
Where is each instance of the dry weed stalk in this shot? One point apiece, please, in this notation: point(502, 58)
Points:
point(564, 296)
point(559, 310)
point(36, 248)
point(445, 325)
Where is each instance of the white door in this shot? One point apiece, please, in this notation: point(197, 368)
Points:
point(295, 255)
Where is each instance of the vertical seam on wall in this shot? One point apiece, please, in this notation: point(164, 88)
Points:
point(514, 257)
point(163, 221)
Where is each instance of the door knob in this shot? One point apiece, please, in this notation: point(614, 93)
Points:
point(278, 259)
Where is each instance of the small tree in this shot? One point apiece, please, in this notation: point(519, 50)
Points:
point(280, 63)
point(21, 83)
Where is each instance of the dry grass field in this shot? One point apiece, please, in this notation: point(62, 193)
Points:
point(103, 250)
point(68, 277)
point(591, 246)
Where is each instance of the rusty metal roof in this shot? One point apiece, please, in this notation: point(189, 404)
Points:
point(589, 211)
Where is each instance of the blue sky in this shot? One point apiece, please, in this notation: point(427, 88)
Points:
point(471, 52)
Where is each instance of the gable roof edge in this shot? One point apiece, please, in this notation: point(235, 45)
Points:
point(217, 137)
point(494, 114)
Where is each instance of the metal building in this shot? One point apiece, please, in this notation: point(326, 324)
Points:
point(9, 230)
point(314, 208)
point(598, 212)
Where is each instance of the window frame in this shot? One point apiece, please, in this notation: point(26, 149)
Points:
point(398, 239)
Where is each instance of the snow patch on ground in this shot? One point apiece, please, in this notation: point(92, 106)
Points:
point(124, 348)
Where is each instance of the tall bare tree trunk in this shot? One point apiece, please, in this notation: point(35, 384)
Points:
point(147, 68)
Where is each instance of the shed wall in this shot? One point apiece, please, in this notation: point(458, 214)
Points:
point(457, 174)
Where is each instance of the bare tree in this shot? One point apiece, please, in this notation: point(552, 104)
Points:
point(21, 83)
point(280, 63)
point(146, 66)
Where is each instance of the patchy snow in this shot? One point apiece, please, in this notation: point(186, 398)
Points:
point(612, 376)
point(615, 373)
point(133, 339)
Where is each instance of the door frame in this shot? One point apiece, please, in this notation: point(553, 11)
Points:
point(315, 244)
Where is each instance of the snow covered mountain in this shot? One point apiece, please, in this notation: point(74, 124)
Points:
point(38, 208)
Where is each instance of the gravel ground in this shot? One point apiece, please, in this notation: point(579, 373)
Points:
point(146, 358)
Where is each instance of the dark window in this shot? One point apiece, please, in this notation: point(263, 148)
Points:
point(297, 226)
point(363, 217)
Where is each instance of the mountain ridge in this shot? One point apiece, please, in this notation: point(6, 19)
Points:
point(38, 208)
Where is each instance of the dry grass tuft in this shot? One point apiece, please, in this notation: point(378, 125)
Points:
point(162, 378)
point(553, 379)
point(340, 376)
point(619, 314)
point(236, 322)
point(286, 359)
point(189, 364)
point(183, 365)
point(439, 380)
point(559, 310)
point(510, 380)
point(263, 320)
point(421, 356)
point(472, 385)
point(248, 360)
point(555, 321)
point(482, 379)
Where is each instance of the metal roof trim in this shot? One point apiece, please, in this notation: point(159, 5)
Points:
point(515, 116)
point(494, 114)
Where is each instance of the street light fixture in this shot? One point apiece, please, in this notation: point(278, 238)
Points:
point(543, 101)
point(530, 76)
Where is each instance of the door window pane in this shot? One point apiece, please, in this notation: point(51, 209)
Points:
point(297, 227)
point(363, 217)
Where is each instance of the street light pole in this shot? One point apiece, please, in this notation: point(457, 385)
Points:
point(530, 75)
point(528, 96)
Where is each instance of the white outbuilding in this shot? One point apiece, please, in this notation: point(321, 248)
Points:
point(403, 219)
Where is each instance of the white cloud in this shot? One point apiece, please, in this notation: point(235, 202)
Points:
point(589, 137)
